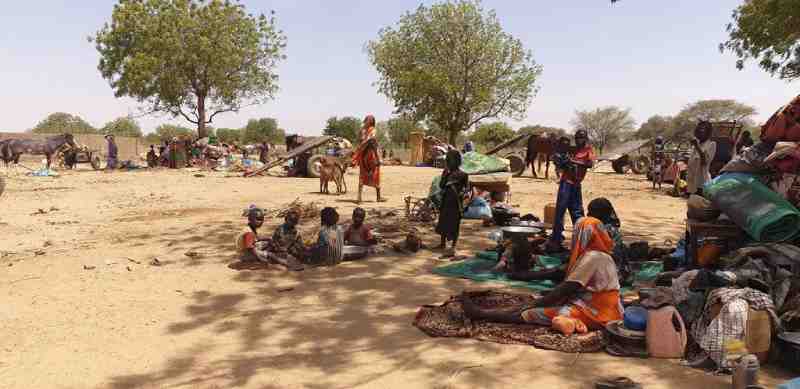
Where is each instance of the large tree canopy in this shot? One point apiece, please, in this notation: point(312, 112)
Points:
point(190, 58)
point(262, 130)
point(61, 122)
point(346, 127)
point(453, 64)
point(683, 123)
point(123, 126)
point(605, 126)
point(492, 134)
point(228, 135)
point(537, 129)
point(767, 31)
point(169, 131)
point(399, 129)
point(714, 110)
point(656, 125)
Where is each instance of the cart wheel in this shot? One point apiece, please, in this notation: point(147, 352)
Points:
point(641, 165)
point(620, 165)
point(313, 167)
point(95, 161)
point(517, 164)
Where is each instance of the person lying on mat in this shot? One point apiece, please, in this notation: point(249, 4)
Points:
point(589, 293)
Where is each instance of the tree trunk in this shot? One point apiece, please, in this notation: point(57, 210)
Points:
point(201, 117)
point(452, 136)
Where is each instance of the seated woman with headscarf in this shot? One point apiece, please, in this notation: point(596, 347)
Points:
point(589, 294)
point(599, 208)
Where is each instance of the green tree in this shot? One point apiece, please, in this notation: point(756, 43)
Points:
point(656, 125)
point(152, 139)
point(766, 31)
point(714, 110)
point(539, 129)
point(453, 64)
point(169, 131)
point(492, 134)
point(229, 135)
point(261, 130)
point(382, 134)
point(123, 126)
point(60, 122)
point(190, 58)
point(605, 126)
point(346, 127)
point(399, 128)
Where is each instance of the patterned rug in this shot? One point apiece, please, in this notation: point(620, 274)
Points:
point(449, 320)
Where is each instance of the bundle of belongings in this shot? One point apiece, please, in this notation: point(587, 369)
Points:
point(746, 300)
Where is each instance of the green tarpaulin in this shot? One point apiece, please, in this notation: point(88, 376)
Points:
point(480, 269)
point(759, 211)
point(477, 163)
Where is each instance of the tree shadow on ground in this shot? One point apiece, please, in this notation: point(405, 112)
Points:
point(350, 325)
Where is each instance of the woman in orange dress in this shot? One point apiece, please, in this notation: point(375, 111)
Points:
point(590, 292)
point(368, 160)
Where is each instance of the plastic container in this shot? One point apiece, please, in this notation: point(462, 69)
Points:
point(666, 333)
point(550, 214)
point(745, 374)
point(635, 318)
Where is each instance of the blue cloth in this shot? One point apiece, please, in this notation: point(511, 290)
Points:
point(569, 199)
point(793, 384)
point(478, 209)
point(469, 146)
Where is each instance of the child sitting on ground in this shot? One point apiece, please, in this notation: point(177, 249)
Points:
point(328, 250)
point(358, 233)
point(286, 246)
point(246, 241)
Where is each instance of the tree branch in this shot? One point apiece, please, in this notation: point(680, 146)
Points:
point(185, 116)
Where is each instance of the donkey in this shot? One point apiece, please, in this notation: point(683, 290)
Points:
point(5, 152)
point(331, 169)
point(48, 147)
point(540, 149)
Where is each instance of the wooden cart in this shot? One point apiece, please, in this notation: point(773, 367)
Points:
point(306, 147)
point(72, 158)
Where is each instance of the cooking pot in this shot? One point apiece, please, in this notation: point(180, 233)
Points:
point(789, 346)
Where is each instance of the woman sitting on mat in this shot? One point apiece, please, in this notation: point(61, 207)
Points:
point(590, 292)
point(599, 208)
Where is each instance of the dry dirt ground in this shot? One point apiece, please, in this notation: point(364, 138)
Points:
point(82, 308)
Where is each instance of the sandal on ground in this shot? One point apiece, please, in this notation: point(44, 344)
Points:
point(617, 383)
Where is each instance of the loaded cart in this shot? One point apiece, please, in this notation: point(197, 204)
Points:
point(304, 154)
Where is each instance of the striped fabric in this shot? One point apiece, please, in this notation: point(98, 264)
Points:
point(331, 243)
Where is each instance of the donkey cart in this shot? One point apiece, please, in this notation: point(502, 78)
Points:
point(71, 158)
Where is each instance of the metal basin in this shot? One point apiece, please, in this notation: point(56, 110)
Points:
point(509, 232)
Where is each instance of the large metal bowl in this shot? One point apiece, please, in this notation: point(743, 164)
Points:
point(509, 232)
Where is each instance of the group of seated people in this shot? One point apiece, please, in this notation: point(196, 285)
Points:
point(587, 296)
point(286, 246)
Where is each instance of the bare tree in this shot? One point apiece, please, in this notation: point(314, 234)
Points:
point(605, 126)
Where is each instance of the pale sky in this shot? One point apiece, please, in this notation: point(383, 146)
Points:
point(651, 56)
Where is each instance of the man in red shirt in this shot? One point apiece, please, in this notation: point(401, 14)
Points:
point(569, 188)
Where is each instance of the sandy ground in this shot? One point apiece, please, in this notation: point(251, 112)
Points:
point(82, 308)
